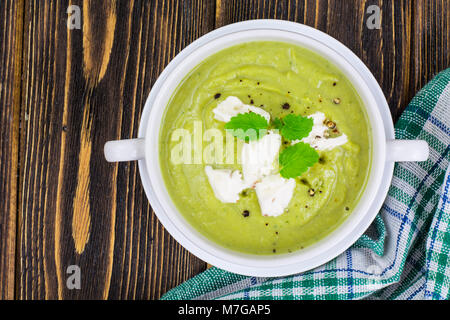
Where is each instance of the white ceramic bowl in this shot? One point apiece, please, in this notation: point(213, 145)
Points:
point(384, 152)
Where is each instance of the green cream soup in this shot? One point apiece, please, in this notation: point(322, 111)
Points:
point(280, 78)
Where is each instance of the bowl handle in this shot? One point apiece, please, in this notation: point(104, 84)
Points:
point(125, 150)
point(407, 150)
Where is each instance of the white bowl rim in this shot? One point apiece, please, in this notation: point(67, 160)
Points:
point(267, 265)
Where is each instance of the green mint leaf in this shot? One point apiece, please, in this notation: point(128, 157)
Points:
point(277, 123)
point(247, 126)
point(296, 127)
point(296, 159)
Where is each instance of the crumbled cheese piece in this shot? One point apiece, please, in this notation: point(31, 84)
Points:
point(258, 157)
point(226, 184)
point(274, 194)
point(329, 143)
point(232, 106)
point(316, 137)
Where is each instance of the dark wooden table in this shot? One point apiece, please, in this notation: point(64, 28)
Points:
point(64, 93)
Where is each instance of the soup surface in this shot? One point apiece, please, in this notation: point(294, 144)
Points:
point(280, 78)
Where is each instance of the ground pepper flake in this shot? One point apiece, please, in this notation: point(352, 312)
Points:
point(330, 124)
point(286, 106)
point(217, 96)
point(246, 213)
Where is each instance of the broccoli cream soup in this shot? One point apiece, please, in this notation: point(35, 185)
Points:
point(313, 147)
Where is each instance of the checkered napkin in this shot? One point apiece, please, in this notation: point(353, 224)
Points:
point(405, 252)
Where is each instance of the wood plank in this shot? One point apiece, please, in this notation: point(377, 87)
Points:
point(11, 18)
point(386, 51)
point(82, 88)
point(431, 38)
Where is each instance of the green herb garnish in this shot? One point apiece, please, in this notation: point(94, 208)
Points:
point(277, 123)
point(247, 126)
point(296, 159)
point(296, 127)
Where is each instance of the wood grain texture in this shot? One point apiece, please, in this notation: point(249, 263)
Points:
point(72, 90)
point(10, 60)
point(431, 38)
point(81, 89)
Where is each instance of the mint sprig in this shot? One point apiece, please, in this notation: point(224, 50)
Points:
point(296, 159)
point(295, 127)
point(277, 123)
point(247, 126)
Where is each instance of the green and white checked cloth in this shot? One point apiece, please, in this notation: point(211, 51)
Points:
point(405, 252)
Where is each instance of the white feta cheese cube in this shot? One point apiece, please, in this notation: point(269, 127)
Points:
point(316, 138)
point(226, 184)
point(274, 194)
point(258, 157)
point(232, 106)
